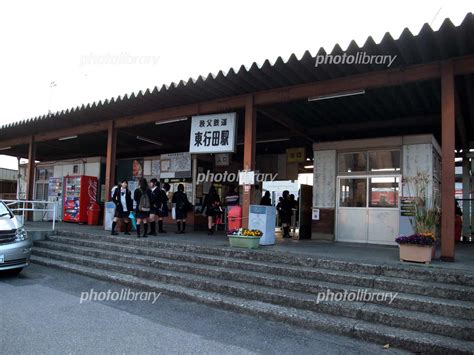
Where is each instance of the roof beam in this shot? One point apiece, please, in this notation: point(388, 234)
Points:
point(371, 80)
point(220, 105)
point(286, 121)
point(75, 131)
point(402, 122)
point(13, 142)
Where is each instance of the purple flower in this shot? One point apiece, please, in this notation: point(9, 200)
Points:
point(415, 239)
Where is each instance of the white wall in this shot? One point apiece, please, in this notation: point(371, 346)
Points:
point(89, 169)
point(417, 158)
point(86, 166)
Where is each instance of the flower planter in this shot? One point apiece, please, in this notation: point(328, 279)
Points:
point(416, 253)
point(244, 242)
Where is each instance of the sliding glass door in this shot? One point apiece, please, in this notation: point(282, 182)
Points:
point(368, 209)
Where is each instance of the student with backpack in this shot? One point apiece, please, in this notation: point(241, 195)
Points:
point(181, 208)
point(142, 197)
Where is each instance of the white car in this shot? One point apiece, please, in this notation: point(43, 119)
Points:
point(15, 246)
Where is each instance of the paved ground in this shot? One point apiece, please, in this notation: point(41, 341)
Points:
point(41, 313)
point(367, 253)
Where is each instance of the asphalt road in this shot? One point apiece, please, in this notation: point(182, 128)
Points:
point(41, 313)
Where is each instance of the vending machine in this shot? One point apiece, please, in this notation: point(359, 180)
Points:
point(79, 193)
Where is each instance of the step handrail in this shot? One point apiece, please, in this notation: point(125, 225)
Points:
point(31, 206)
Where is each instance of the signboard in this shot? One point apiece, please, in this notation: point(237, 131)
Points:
point(407, 206)
point(222, 159)
point(213, 133)
point(315, 214)
point(246, 177)
point(296, 155)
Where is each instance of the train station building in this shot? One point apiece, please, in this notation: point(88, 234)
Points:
point(357, 127)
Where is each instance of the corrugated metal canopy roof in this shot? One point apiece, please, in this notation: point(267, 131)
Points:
point(428, 45)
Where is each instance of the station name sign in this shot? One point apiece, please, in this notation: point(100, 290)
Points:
point(213, 133)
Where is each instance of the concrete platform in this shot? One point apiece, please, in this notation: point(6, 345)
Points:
point(356, 252)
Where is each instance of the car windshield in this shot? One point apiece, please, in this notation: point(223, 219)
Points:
point(4, 211)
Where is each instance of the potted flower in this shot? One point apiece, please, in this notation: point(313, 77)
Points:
point(420, 246)
point(245, 238)
point(417, 247)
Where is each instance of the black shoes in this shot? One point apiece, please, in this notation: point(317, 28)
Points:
point(114, 233)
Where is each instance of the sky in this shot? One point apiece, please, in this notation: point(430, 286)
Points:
point(59, 54)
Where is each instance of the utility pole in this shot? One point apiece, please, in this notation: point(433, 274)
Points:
point(51, 86)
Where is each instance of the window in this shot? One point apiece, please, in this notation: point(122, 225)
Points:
point(384, 160)
point(353, 193)
point(352, 162)
point(41, 191)
point(383, 192)
point(42, 177)
point(43, 174)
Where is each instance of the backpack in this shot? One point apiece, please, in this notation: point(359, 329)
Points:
point(144, 204)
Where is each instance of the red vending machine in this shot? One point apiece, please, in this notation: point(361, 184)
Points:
point(79, 193)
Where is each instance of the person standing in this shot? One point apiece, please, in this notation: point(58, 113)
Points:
point(266, 200)
point(285, 211)
point(212, 208)
point(163, 210)
point(181, 208)
point(155, 204)
point(122, 198)
point(142, 197)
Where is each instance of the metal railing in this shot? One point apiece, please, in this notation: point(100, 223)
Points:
point(25, 206)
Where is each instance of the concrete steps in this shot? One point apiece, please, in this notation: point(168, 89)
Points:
point(283, 292)
point(411, 272)
point(297, 280)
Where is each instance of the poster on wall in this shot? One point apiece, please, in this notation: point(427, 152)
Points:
point(137, 169)
point(213, 133)
point(155, 168)
point(175, 165)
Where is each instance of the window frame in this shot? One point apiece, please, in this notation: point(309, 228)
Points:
point(367, 171)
